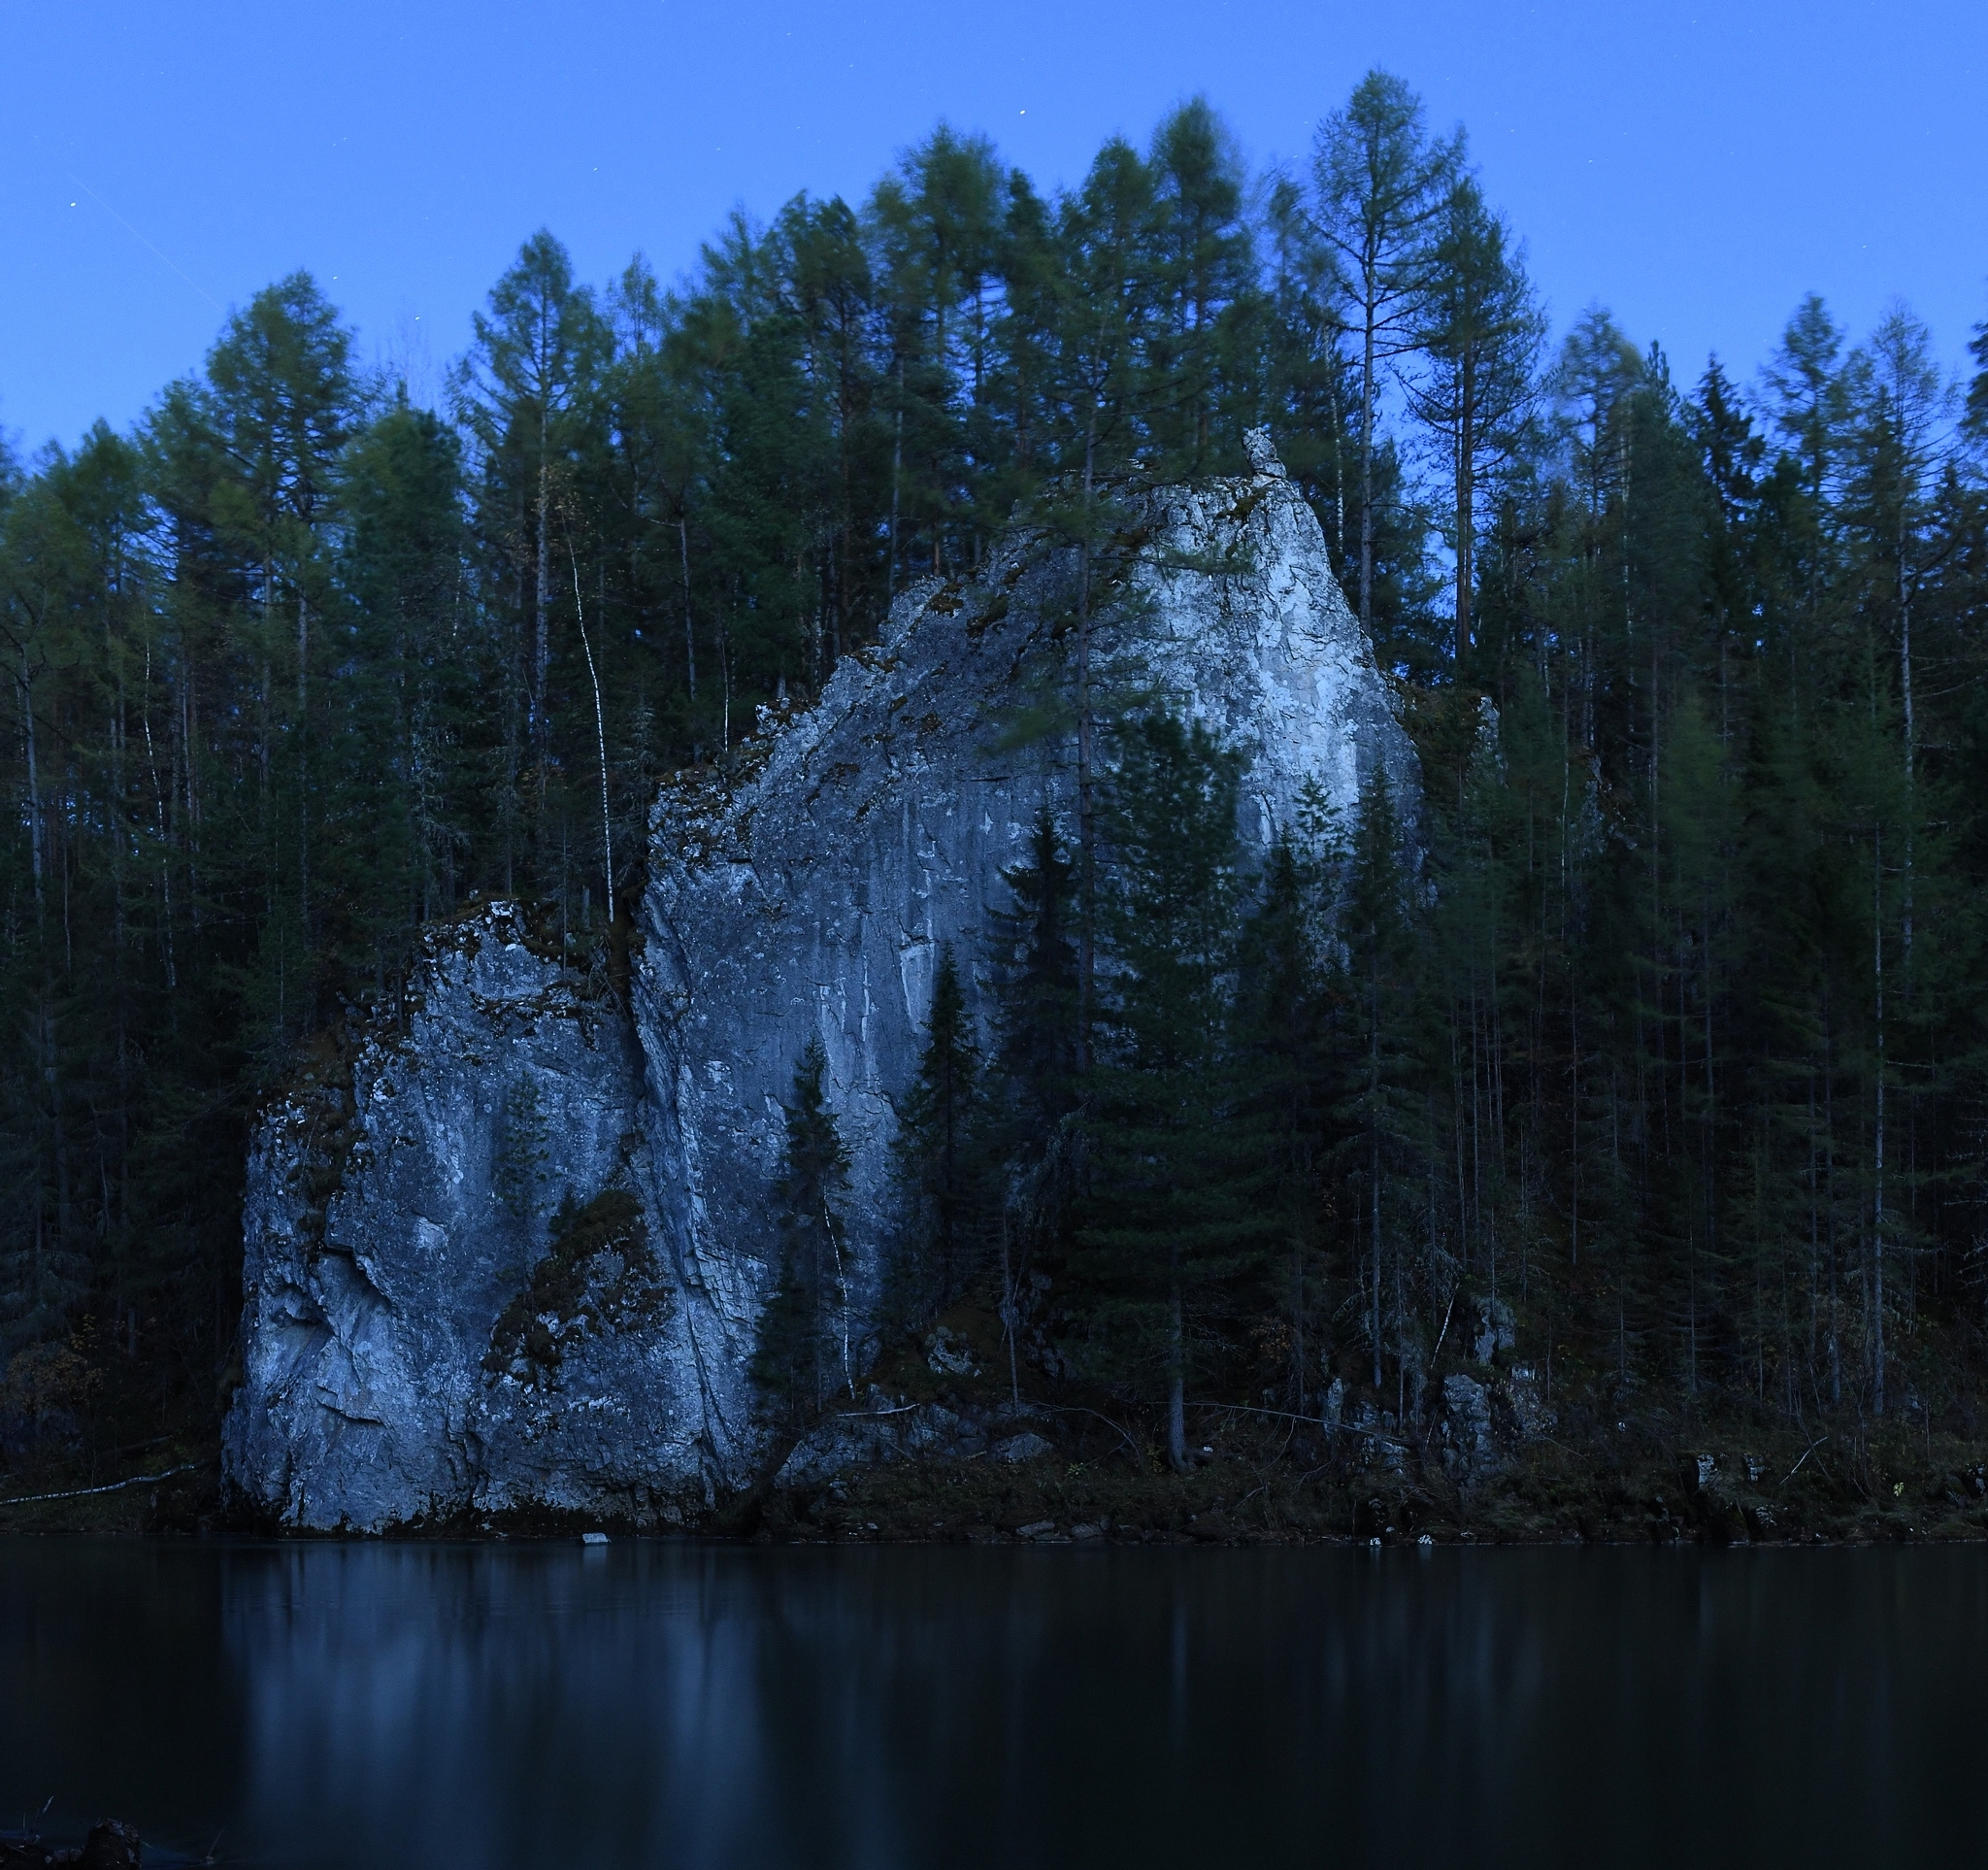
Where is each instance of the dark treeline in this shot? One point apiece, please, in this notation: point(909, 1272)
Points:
point(1669, 1036)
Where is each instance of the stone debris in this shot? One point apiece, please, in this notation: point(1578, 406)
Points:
point(949, 1355)
point(1025, 1447)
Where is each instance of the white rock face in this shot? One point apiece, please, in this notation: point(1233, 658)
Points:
point(807, 896)
point(388, 1225)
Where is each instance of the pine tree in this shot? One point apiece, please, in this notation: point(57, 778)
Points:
point(246, 464)
point(1203, 282)
point(938, 229)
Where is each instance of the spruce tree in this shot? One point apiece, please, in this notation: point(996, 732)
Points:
point(1033, 1083)
point(1378, 1107)
point(1033, 959)
point(1282, 1026)
point(1173, 1209)
point(942, 1171)
point(804, 1354)
point(1975, 415)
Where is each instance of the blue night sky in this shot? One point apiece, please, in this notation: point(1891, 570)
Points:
point(1694, 167)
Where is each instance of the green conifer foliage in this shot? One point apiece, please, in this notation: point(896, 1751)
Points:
point(1172, 1210)
point(1381, 183)
point(523, 1152)
point(400, 778)
point(1283, 1026)
point(1203, 272)
point(805, 1353)
point(947, 1193)
point(1380, 1130)
point(937, 225)
point(1669, 1033)
point(529, 394)
point(1975, 418)
point(1480, 328)
point(1034, 963)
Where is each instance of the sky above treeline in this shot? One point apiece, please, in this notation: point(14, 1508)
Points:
point(1695, 167)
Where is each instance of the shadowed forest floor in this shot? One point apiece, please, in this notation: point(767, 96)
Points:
point(1256, 1488)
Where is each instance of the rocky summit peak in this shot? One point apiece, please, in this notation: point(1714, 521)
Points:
point(1262, 452)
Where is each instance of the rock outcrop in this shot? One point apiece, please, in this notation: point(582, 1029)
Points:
point(391, 1219)
point(394, 1363)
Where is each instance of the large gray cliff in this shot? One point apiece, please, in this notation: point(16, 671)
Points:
point(427, 1330)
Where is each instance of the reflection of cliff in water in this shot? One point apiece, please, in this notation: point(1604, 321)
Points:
point(363, 1706)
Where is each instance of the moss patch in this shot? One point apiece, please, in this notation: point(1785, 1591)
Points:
point(599, 1275)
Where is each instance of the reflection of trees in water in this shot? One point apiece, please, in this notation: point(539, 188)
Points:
point(686, 1706)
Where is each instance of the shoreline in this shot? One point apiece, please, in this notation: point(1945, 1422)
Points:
point(1546, 1495)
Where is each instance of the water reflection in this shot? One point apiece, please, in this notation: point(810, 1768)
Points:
point(672, 1705)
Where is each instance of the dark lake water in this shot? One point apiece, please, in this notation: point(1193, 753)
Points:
point(671, 1704)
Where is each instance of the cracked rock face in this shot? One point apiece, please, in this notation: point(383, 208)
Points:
point(387, 1227)
point(806, 895)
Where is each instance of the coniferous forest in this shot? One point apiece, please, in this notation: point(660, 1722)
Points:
point(1658, 1058)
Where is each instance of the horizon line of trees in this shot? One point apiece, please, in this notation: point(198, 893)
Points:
point(1694, 1006)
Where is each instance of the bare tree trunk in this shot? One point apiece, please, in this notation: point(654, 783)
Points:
point(689, 633)
point(1466, 517)
point(1177, 1382)
point(304, 778)
point(896, 462)
point(1010, 1315)
point(159, 804)
point(1366, 472)
point(1877, 1160)
point(541, 604)
point(600, 737)
point(37, 861)
point(44, 1017)
point(1904, 603)
point(1086, 934)
point(1373, 1153)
